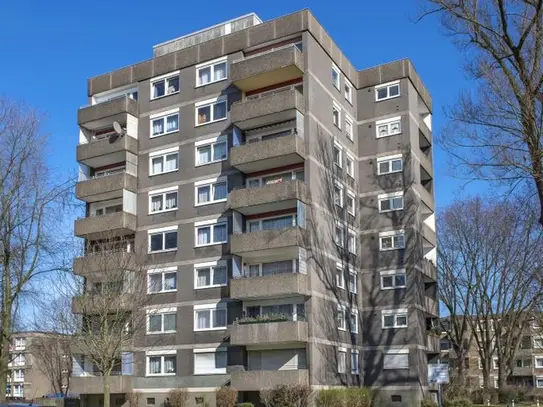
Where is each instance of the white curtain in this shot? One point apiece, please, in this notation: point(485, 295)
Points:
point(220, 71)
point(169, 364)
point(203, 319)
point(254, 270)
point(277, 223)
point(155, 323)
point(172, 123)
point(154, 364)
point(204, 278)
point(203, 194)
point(156, 203)
point(204, 75)
point(170, 281)
point(158, 126)
point(158, 89)
point(158, 165)
point(204, 235)
point(204, 154)
point(171, 162)
point(171, 200)
point(169, 322)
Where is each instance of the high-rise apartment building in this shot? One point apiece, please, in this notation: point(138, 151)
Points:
point(286, 202)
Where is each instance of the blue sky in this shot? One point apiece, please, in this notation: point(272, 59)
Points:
point(50, 48)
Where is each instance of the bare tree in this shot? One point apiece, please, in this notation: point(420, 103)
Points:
point(497, 132)
point(53, 356)
point(490, 264)
point(30, 199)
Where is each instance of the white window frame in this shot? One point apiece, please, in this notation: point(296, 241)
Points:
point(211, 224)
point(162, 271)
point(211, 183)
point(351, 237)
point(336, 70)
point(163, 192)
point(340, 155)
point(212, 308)
point(161, 312)
point(162, 231)
point(163, 154)
point(400, 312)
point(196, 351)
point(341, 310)
point(538, 384)
point(340, 276)
point(393, 274)
point(350, 195)
point(343, 352)
point(352, 272)
point(348, 91)
point(164, 78)
point(211, 103)
point(349, 122)
point(387, 85)
point(388, 123)
point(161, 354)
point(495, 363)
point(164, 116)
point(536, 366)
point(341, 194)
point(212, 142)
point(355, 356)
point(18, 375)
point(350, 158)
point(259, 220)
point(336, 107)
point(480, 363)
point(389, 159)
point(20, 343)
point(18, 390)
point(535, 338)
point(211, 65)
point(392, 234)
point(354, 327)
point(342, 242)
point(390, 197)
point(211, 266)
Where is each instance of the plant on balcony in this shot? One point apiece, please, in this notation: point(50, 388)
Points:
point(226, 397)
point(289, 395)
point(435, 331)
point(260, 319)
point(177, 398)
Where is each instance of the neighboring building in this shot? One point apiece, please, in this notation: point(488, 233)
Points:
point(26, 380)
point(221, 177)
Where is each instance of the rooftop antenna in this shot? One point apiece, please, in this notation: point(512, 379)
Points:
point(118, 129)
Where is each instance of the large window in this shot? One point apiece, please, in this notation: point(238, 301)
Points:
point(276, 223)
point(210, 111)
point(162, 240)
point(209, 317)
point(387, 91)
point(162, 280)
point(211, 71)
point(211, 191)
point(294, 312)
point(164, 123)
point(163, 200)
point(278, 178)
point(210, 361)
point(392, 240)
point(207, 233)
point(162, 321)
point(164, 161)
point(165, 85)
point(161, 363)
point(211, 151)
point(388, 127)
point(393, 279)
point(389, 165)
point(390, 202)
point(394, 318)
point(271, 268)
point(208, 275)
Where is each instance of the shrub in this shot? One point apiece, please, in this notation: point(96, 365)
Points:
point(245, 405)
point(346, 397)
point(428, 402)
point(458, 402)
point(330, 398)
point(226, 397)
point(178, 398)
point(357, 397)
point(290, 395)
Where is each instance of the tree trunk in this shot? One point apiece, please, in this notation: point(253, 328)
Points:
point(105, 379)
point(486, 385)
point(5, 329)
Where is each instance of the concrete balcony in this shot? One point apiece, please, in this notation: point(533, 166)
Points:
point(94, 384)
point(268, 243)
point(268, 108)
point(268, 198)
point(104, 114)
point(268, 154)
point(276, 286)
point(425, 130)
point(425, 162)
point(95, 303)
point(106, 226)
point(433, 344)
point(429, 270)
point(429, 236)
point(106, 188)
point(268, 68)
point(431, 306)
point(426, 197)
point(268, 333)
point(96, 263)
point(255, 380)
point(523, 371)
point(109, 150)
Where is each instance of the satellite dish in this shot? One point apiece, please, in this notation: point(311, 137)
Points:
point(118, 129)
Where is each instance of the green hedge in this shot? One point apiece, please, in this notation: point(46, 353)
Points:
point(346, 397)
point(245, 405)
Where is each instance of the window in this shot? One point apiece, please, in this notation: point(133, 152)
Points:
point(349, 127)
point(353, 284)
point(539, 382)
point(391, 240)
point(349, 197)
point(538, 342)
point(162, 240)
point(165, 85)
point(390, 202)
point(351, 241)
point(211, 191)
point(354, 321)
point(393, 279)
point(18, 390)
point(211, 151)
point(524, 363)
point(150, 401)
point(210, 361)
point(19, 375)
point(338, 195)
point(164, 364)
point(340, 236)
point(210, 111)
point(539, 362)
point(161, 321)
point(163, 200)
point(388, 127)
point(19, 360)
point(294, 312)
point(209, 317)
point(396, 398)
point(271, 268)
point(211, 232)
point(162, 280)
point(349, 164)
point(348, 92)
point(275, 223)
point(20, 343)
point(336, 115)
point(354, 362)
point(389, 165)
point(444, 345)
point(341, 318)
point(338, 155)
point(394, 318)
point(342, 360)
point(335, 76)
point(340, 276)
point(396, 359)
point(387, 91)
point(210, 72)
point(164, 123)
point(164, 161)
point(495, 363)
point(207, 275)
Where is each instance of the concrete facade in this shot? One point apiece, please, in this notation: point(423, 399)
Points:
point(283, 187)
